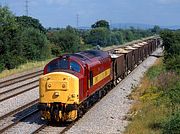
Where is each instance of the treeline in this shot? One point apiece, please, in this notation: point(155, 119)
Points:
point(100, 34)
point(169, 83)
point(171, 41)
point(23, 38)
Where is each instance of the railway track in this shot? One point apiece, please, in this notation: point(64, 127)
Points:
point(28, 110)
point(40, 129)
point(4, 83)
point(48, 128)
point(18, 85)
point(18, 90)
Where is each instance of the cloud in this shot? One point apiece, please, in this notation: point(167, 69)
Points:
point(59, 2)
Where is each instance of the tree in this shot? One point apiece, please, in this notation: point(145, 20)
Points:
point(156, 29)
point(101, 23)
point(35, 45)
point(26, 21)
point(171, 41)
point(8, 31)
point(20, 42)
point(66, 40)
point(99, 36)
point(116, 38)
point(129, 36)
point(168, 40)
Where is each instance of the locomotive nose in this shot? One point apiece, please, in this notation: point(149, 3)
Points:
point(59, 87)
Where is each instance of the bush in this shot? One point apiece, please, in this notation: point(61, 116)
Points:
point(12, 61)
point(34, 43)
point(172, 126)
point(155, 71)
point(172, 93)
point(171, 42)
point(65, 40)
point(173, 63)
point(2, 67)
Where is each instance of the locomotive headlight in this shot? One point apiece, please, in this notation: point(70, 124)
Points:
point(49, 85)
point(56, 93)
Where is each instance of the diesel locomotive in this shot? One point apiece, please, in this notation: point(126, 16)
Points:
point(72, 83)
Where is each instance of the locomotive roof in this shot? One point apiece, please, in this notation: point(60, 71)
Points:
point(90, 54)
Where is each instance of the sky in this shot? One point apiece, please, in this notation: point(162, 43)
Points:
point(60, 13)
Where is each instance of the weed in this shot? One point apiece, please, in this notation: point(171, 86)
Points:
point(172, 124)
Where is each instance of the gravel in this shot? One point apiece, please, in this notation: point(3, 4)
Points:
point(52, 130)
point(108, 115)
point(16, 116)
point(26, 126)
point(18, 101)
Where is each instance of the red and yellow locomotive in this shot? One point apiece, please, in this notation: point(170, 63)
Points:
point(73, 82)
point(70, 82)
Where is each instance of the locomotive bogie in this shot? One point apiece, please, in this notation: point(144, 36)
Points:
point(58, 111)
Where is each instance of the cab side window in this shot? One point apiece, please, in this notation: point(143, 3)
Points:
point(91, 78)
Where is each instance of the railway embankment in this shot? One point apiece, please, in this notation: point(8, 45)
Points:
point(156, 107)
point(157, 103)
point(110, 114)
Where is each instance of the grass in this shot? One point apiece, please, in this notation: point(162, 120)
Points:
point(155, 70)
point(24, 67)
point(146, 114)
point(147, 120)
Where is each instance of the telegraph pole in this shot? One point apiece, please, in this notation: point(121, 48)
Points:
point(26, 7)
point(110, 24)
point(77, 21)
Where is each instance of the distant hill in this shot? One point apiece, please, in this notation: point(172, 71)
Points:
point(128, 25)
point(140, 26)
point(175, 27)
point(135, 25)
